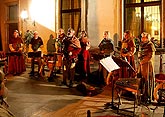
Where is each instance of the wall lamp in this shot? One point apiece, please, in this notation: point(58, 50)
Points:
point(24, 14)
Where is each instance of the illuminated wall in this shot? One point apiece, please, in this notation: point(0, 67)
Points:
point(41, 17)
point(43, 12)
point(103, 15)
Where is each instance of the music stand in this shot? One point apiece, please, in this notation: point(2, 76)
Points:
point(120, 63)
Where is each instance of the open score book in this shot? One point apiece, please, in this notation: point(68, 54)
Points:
point(109, 64)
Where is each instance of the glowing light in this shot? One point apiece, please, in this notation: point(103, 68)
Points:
point(24, 14)
point(43, 12)
point(154, 28)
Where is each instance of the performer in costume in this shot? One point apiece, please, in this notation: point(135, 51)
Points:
point(61, 36)
point(51, 44)
point(84, 56)
point(35, 46)
point(128, 49)
point(16, 59)
point(146, 57)
point(71, 49)
point(106, 47)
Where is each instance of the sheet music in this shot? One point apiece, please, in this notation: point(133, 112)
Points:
point(109, 64)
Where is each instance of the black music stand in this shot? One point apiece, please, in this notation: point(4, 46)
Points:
point(34, 54)
point(120, 62)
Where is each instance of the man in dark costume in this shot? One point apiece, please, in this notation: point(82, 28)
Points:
point(35, 46)
point(127, 53)
point(71, 49)
point(146, 57)
point(61, 36)
point(106, 48)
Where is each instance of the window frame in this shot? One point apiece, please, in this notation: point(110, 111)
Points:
point(143, 4)
point(72, 10)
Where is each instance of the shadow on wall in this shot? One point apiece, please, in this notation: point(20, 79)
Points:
point(116, 39)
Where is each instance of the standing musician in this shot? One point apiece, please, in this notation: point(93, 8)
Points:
point(35, 46)
point(146, 57)
point(106, 48)
point(84, 56)
point(127, 53)
point(71, 49)
point(61, 36)
point(16, 59)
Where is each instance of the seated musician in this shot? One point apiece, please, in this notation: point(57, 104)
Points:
point(50, 59)
point(35, 46)
point(106, 47)
point(51, 45)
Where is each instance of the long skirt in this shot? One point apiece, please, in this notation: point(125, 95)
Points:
point(16, 64)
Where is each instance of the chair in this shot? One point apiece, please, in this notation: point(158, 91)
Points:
point(36, 59)
point(50, 60)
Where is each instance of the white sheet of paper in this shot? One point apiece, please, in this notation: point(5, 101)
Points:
point(109, 64)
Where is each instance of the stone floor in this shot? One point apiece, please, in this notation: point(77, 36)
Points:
point(35, 97)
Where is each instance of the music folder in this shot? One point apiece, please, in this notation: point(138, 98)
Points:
point(34, 54)
point(109, 64)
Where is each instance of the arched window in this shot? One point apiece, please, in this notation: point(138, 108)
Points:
point(143, 15)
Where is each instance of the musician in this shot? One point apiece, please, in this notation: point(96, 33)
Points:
point(146, 57)
point(16, 60)
point(61, 36)
point(128, 49)
point(71, 49)
point(51, 44)
point(84, 56)
point(106, 47)
point(35, 46)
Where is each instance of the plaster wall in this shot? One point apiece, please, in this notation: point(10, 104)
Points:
point(103, 15)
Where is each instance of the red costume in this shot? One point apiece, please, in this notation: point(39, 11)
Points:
point(71, 50)
point(127, 52)
point(84, 57)
point(16, 60)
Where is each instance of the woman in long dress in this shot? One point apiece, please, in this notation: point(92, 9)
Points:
point(16, 59)
point(84, 55)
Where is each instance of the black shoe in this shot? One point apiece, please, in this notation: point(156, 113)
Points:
point(58, 71)
point(107, 104)
point(31, 75)
point(50, 79)
point(70, 85)
point(63, 83)
point(32, 72)
point(148, 101)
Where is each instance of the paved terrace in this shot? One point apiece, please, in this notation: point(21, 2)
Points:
point(36, 97)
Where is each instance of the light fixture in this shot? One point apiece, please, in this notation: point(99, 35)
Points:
point(24, 14)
